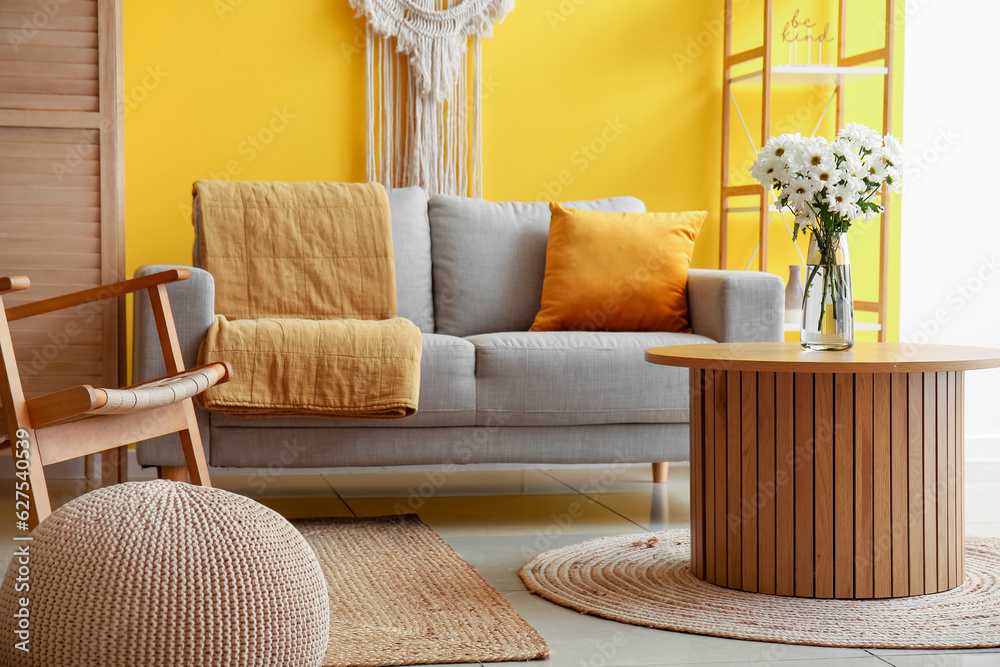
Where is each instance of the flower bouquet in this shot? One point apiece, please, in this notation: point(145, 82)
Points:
point(827, 186)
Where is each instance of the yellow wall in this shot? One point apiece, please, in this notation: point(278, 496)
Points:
point(583, 99)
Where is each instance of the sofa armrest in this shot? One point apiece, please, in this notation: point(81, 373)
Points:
point(192, 302)
point(736, 306)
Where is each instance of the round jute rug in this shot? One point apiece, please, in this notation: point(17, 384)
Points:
point(624, 579)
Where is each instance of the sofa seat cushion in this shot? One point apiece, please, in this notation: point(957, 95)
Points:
point(553, 378)
point(447, 393)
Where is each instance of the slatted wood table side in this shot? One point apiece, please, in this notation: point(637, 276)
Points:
point(844, 481)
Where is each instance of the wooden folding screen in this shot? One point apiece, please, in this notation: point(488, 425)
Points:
point(61, 187)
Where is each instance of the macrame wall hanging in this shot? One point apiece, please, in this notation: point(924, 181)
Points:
point(418, 96)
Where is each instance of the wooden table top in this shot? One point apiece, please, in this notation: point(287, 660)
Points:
point(791, 357)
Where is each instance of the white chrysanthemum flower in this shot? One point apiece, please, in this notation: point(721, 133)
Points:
point(786, 146)
point(893, 150)
point(853, 165)
point(815, 151)
point(878, 170)
point(842, 148)
point(855, 184)
point(893, 179)
point(825, 172)
point(880, 154)
point(762, 172)
point(799, 193)
point(871, 213)
point(860, 136)
point(842, 201)
point(767, 170)
point(787, 170)
point(853, 172)
point(768, 150)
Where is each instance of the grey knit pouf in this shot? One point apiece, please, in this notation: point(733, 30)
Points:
point(165, 574)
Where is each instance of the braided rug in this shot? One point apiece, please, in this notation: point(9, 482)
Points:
point(645, 580)
point(400, 595)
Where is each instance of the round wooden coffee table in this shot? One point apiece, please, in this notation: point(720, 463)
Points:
point(827, 474)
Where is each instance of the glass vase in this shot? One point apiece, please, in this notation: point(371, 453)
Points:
point(828, 302)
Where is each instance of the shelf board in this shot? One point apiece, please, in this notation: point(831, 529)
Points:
point(812, 75)
point(858, 326)
point(754, 209)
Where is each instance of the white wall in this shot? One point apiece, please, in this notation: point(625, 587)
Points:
point(950, 251)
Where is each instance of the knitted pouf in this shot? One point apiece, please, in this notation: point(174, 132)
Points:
point(165, 574)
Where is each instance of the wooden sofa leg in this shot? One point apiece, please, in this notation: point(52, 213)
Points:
point(660, 473)
point(172, 473)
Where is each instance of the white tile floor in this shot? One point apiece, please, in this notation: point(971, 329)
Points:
point(498, 518)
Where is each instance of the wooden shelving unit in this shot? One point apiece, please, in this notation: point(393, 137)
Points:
point(848, 69)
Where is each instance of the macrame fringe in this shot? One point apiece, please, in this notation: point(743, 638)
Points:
point(419, 132)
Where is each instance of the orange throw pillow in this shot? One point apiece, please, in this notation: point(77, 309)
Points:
point(617, 271)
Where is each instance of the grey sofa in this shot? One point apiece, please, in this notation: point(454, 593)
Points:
point(469, 274)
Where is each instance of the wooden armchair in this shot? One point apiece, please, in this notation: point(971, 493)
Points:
point(85, 420)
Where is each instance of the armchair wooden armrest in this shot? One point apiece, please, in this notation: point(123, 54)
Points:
point(13, 284)
point(84, 296)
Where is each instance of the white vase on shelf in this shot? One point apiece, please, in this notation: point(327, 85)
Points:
point(793, 295)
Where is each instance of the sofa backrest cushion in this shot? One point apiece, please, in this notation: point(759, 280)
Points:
point(411, 244)
point(489, 260)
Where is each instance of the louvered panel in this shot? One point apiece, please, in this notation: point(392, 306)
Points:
point(41, 376)
point(40, 222)
point(71, 161)
point(23, 24)
point(45, 69)
point(32, 53)
point(39, 102)
point(60, 350)
point(50, 181)
point(45, 384)
point(38, 292)
point(41, 189)
point(65, 8)
point(44, 37)
point(65, 244)
point(61, 201)
point(74, 278)
point(62, 197)
point(85, 318)
point(13, 259)
point(45, 135)
point(62, 367)
point(25, 338)
point(73, 352)
point(20, 84)
point(38, 150)
point(56, 322)
point(51, 70)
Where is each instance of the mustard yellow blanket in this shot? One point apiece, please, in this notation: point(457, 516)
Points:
point(306, 301)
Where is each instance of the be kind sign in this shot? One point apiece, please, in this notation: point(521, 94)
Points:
point(802, 30)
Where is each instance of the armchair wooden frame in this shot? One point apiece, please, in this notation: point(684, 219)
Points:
point(48, 429)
